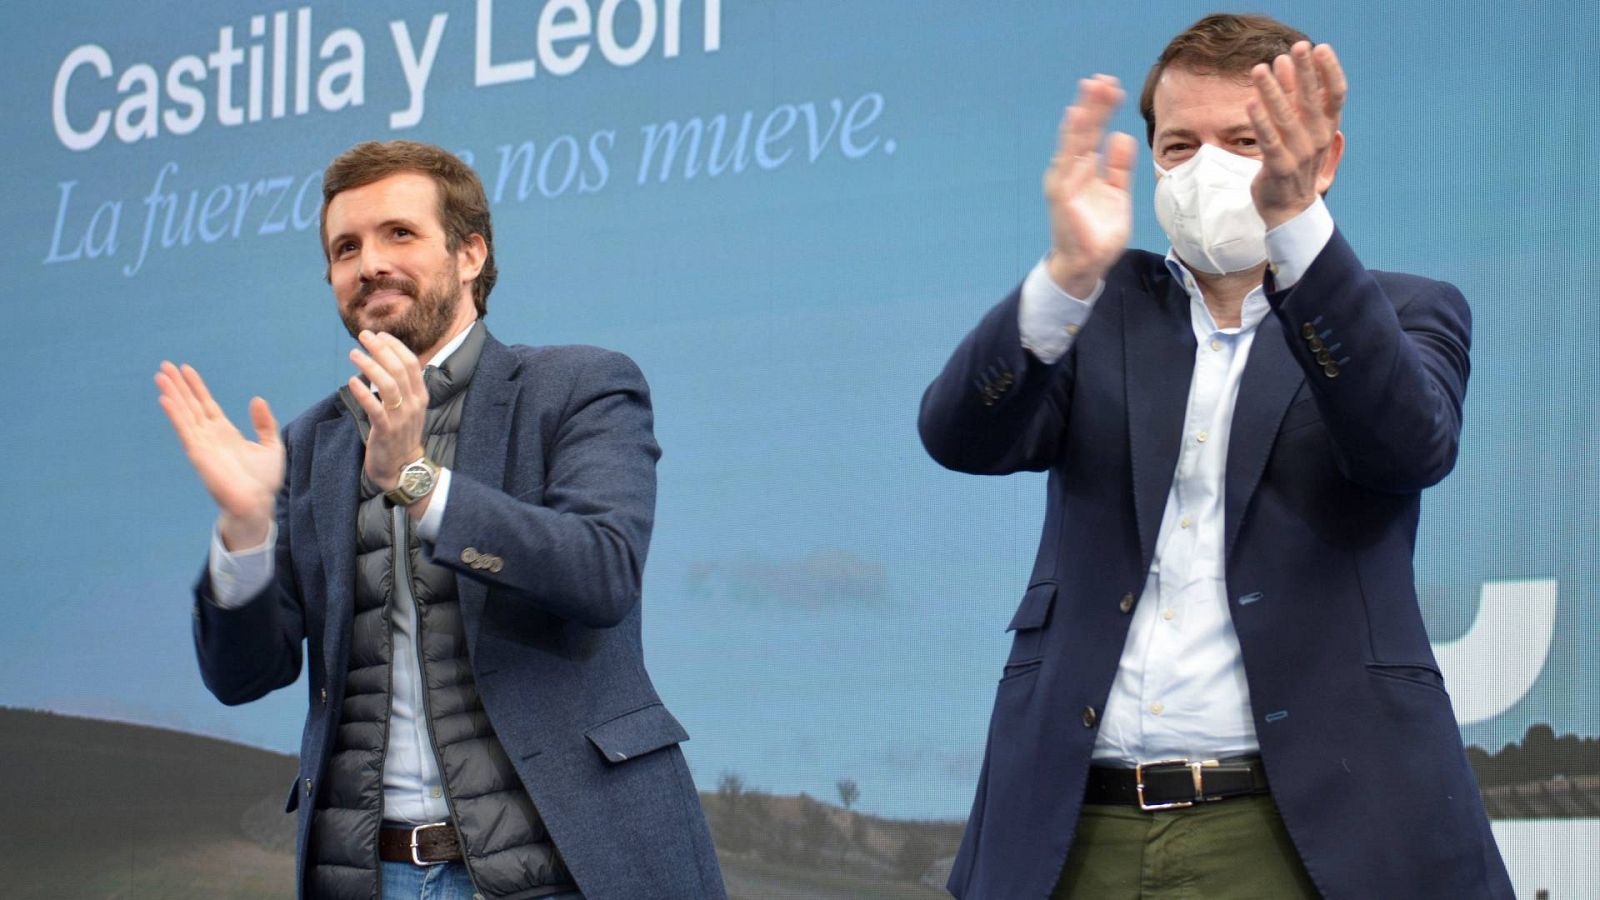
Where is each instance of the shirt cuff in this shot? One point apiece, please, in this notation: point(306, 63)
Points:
point(433, 517)
point(1049, 318)
point(236, 576)
point(1293, 246)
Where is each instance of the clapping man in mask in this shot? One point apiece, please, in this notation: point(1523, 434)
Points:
point(1219, 682)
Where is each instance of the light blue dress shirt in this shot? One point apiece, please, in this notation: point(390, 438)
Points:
point(1180, 690)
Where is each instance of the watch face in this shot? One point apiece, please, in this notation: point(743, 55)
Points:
point(416, 480)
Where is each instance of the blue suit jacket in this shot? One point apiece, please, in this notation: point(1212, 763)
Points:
point(554, 474)
point(1325, 465)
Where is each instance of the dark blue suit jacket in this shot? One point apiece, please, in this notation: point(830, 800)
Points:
point(554, 474)
point(1325, 465)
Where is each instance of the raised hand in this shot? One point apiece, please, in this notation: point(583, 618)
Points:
point(396, 412)
point(242, 476)
point(1295, 113)
point(1091, 209)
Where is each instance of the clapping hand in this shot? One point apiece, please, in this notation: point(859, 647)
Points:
point(1091, 209)
point(242, 476)
point(396, 412)
point(1295, 114)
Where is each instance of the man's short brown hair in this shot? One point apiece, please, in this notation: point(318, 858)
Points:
point(463, 207)
point(1219, 44)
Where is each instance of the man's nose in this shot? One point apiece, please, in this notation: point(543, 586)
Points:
point(374, 263)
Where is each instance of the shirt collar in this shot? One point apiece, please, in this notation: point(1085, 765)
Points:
point(1255, 306)
point(451, 347)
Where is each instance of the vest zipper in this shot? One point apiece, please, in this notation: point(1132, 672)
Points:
point(401, 550)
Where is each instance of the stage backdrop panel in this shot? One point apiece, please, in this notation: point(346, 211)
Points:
point(788, 212)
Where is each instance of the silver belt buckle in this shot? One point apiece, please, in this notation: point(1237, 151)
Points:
point(1195, 768)
point(414, 857)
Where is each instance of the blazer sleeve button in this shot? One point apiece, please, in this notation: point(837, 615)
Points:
point(469, 555)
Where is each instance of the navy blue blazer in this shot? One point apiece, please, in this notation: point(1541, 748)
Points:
point(555, 474)
point(1326, 460)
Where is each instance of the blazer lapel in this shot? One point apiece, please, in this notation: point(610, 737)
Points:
point(1270, 380)
point(1158, 356)
point(481, 446)
point(335, 493)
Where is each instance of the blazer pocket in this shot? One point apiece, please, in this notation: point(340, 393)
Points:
point(1014, 671)
point(1027, 626)
point(1418, 675)
point(633, 734)
point(1302, 413)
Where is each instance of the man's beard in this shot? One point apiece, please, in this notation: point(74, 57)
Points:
point(423, 325)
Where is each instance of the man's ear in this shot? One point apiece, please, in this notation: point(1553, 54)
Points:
point(470, 256)
point(1330, 164)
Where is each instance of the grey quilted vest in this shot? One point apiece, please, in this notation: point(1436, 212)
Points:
point(508, 850)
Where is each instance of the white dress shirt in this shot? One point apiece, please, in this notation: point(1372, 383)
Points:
point(413, 792)
point(1180, 690)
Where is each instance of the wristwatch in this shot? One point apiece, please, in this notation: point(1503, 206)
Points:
point(417, 479)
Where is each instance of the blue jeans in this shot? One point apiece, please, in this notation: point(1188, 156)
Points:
point(446, 881)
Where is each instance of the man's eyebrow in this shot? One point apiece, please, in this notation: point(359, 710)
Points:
point(387, 223)
point(1190, 135)
point(1185, 133)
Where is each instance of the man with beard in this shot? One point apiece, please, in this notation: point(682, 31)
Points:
point(457, 537)
point(1219, 682)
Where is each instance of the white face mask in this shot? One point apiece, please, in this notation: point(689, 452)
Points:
point(1204, 206)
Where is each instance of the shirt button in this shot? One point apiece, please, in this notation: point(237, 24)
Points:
point(1216, 344)
point(1201, 437)
point(435, 792)
point(1090, 717)
point(1074, 329)
point(1157, 708)
point(1126, 603)
point(1167, 614)
point(1185, 522)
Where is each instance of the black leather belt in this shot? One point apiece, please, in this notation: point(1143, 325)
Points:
point(1176, 783)
point(423, 845)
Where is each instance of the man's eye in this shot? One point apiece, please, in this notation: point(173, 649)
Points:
point(346, 247)
point(402, 232)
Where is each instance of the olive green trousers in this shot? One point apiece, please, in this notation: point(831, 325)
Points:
point(1234, 848)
